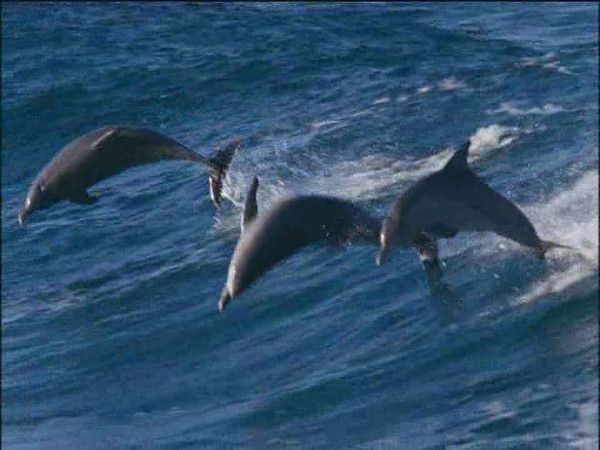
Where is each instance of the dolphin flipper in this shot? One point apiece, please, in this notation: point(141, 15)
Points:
point(426, 246)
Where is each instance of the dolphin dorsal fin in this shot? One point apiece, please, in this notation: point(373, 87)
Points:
point(459, 159)
point(250, 206)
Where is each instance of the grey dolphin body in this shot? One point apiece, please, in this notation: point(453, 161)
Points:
point(452, 200)
point(287, 227)
point(102, 153)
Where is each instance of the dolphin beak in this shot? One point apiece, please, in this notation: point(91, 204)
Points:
point(382, 256)
point(23, 216)
point(225, 297)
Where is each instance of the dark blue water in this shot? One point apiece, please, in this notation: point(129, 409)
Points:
point(110, 332)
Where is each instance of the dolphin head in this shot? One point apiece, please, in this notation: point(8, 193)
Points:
point(40, 196)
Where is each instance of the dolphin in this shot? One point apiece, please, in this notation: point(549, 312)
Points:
point(288, 226)
point(452, 200)
point(108, 151)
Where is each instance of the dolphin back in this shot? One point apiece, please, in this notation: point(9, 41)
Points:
point(110, 150)
point(133, 146)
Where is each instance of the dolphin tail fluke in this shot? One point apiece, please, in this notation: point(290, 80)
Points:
point(220, 162)
point(548, 245)
point(218, 169)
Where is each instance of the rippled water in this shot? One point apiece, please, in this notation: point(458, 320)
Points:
point(111, 335)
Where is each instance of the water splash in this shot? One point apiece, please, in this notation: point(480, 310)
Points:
point(512, 109)
point(492, 137)
point(450, 84)
point(570, 218)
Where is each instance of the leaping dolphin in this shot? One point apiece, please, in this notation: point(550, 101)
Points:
point(288, 226)
point(108, 151)
point(452, 200)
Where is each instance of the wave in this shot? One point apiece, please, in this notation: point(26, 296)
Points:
point(492, 137)
point(570, 218)
point(548, 61)
point(450, 84)
point(513, 110)
point(365, 178)
point(323, 123)
point(447, 84)
point(425, 89)
point(381, 100)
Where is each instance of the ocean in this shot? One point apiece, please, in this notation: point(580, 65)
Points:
point(111, 337)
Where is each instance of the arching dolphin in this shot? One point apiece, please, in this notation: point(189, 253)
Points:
point(108, 151)
point(451, 200)
point(287, 227)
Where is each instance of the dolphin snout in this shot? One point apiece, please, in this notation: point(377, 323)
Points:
point(382, 256)
point(225, 297)
point(23, 216)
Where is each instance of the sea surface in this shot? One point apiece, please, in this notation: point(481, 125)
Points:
point(111, 337)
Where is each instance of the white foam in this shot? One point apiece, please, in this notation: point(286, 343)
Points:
point(554, 65)
point(450, 83)
point(362, 112)
point(323, 123)
point(533, 60)
point(586, 433)
point(368, 177)
point(512, 109)
point(424, 89)
point(547, 61)
point(491, 138)
point(325, 126)
point(570, 218)
point(364, 178)
point(381, 100)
